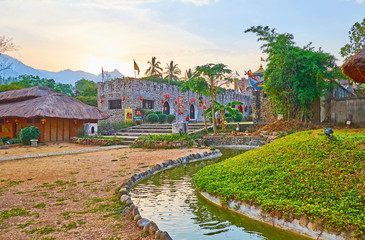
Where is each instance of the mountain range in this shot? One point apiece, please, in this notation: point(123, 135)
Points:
point(67, 76)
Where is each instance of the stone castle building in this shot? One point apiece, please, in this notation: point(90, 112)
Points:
point(117, 97)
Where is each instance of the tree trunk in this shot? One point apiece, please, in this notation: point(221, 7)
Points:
point(223, 125)
point(205, 121)
point(213, 113)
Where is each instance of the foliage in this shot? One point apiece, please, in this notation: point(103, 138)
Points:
point(304, 173)
point(85, 87)
point(154, 69)
point(162, 117)
point(172, 71)
point(222, 109)
point(14, 141)
point(159, 79)
point(238, 116)
point(90, 100)
point(357, 40)
point(166, 138)
point(28, 133)
point(152, 118)
point(171, 118)
point(294, 75)
point(113, 126)
point(150, 112)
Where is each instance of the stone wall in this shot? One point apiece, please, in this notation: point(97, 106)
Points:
point(133, 89)
point(220, 141)
point(352, 109)
point(261, 108)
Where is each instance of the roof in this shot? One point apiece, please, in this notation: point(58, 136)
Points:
point(259, 72)
point(53, 105)
point(24, 94)
point(354, 67)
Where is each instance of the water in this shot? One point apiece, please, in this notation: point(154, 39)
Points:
point(169, 199)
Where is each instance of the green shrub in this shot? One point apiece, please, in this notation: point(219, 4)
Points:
point(114, 126)
point(171, 118)
point(238, 117)
point(152, 118)
point(158, 112)
point(14, 141)
point(162, 117)
point(228, 119)
point(4, 139)
point(89, 100)
point(150, 112)
point(28, 133)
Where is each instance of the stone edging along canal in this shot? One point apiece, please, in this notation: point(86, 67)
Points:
point(130, 209)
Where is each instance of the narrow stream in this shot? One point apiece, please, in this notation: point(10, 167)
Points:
point(169, 199)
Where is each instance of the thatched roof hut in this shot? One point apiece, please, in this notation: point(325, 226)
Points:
point(42, 101)
point(354, 67)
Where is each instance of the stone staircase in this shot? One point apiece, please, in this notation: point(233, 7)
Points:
point(132, 133)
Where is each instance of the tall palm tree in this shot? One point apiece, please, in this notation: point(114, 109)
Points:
point(154, 68)
point(188, 74)
point(172, 71)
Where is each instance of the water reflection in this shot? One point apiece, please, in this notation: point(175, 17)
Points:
point(169, 199)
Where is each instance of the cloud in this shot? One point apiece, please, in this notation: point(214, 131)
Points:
point(205, 2)
point(360, 1)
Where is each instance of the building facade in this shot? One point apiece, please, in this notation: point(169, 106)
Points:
point(121, 96)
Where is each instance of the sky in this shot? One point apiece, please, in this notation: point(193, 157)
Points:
point(87, 35)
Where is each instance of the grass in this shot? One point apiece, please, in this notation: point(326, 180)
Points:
point(303, 173)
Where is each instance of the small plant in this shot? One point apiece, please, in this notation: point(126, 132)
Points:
point(28, 133)
point(162, 117)
point(170, 118)
point(152, 118)
point(14, 141)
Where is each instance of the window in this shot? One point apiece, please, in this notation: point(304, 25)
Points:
point(29, 120)
point(147, 104)
point(2, 120)
point(115, 104)
point(37, 120)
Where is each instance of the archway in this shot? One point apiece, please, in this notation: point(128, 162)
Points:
point(192, 112)
point(166, 108)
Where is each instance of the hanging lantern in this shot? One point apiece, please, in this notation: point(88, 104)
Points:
point(16, 121)
point(167, 96)
point(200, 104)
point(75, 121)
point(141, 98)
point(101, 100)
point(210, 105)
point(175, 102)
point(192, 100)
point(189, 103)
point(43, 120)
point(162, 101)
point(123, 98)
point(250, 105)
point(7, 121)
point(245, 106)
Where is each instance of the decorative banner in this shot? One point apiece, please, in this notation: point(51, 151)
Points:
point(128, 115)
point(137, 115)
point(181, 105)
point(204, 104)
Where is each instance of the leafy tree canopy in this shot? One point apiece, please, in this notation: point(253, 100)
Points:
point(294, 75)
point(357, 40)
point(85, 87)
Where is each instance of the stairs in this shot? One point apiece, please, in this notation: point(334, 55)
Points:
point(132, 133)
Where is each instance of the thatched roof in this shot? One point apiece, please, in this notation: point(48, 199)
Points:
point(24, 94)
point(54, 105)
point(354, 67)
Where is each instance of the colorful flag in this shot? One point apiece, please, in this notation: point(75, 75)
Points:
point(235, 84)
point(102, 74)
point(243, 84)
point(262, 60)
point(136, 66)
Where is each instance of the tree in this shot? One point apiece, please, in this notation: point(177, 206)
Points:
point(357, 40)
point(200, 86)
point(154, 68)
point(215, 76)
point(188, 74)
point(172, 71)
point(5, 46)
point(223, 108)
point(86, 92)
point(294, 75)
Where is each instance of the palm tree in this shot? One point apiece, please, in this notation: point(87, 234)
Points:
point(154, 68)
point(172, 70)
point(188, 74)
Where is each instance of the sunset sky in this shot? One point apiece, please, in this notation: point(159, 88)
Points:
point(89, 34)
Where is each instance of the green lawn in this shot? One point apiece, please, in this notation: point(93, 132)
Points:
point(303, 173)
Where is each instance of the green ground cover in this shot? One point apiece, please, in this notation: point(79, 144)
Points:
point(302, 174)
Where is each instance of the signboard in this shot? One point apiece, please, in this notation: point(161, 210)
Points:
point(137, 115)
point(181, 105)
point(204, 104)
point(128, 115)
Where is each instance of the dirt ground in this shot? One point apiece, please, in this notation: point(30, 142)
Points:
point(71, 196)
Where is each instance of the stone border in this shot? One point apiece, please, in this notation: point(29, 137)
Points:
point(300, 225)
point(131, 210)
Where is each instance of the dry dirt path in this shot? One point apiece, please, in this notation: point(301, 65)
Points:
point(72, 196)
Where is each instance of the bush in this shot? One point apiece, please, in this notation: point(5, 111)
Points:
point(107, 126)
point(14, 141)
point(238, 117)
point(28, 133)
point(152, 118)
point(170, 118)
point(150, 112)
point(89, 100)
point(162, 117)
point(228, 119)
point(158, 112)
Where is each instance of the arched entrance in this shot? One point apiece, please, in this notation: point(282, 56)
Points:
point(192, 112)
point(166, 108)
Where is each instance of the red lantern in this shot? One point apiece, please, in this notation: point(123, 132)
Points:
point(245, 106)
point(200, 104)
point(250, 105)
point(162, 101)
point(141, 98)
point(123, 98)
point(210, 105)
point(192, 100)
point(101, 100)
point(167, 96)
point(16, 121)
point(175, 102)
point(43, 121)
point(189, 103)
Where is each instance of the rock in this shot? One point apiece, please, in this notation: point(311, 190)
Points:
point(152, 229)
point(142, 222)
point(123, 191)
point(158, 234)
point(275, 133)
point(137, 217)
point(303, 221)
point(165, 236)
point(126, 211)
point(128, 202)
point(146, 227)
point(124, 198)
point(135, 212)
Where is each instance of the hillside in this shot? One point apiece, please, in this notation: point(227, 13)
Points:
point(302, 174)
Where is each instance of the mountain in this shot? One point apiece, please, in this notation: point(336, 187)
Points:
point(68, 76)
